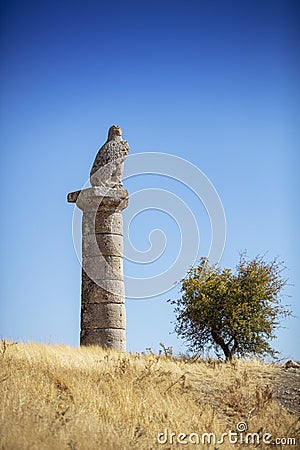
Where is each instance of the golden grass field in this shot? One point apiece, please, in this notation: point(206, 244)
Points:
point(58, 397)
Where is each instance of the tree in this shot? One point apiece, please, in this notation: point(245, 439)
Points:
point(235, 312)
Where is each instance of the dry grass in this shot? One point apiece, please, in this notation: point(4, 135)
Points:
point(57, 397)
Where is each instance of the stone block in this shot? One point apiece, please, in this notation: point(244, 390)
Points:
point(103, 315)
point(100, 268)
point(102, 291)
point(104, 244)
point(105, 221)
point(99, 197)
point(105, 338)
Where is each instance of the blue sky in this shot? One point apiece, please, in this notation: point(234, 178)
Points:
point(213, 82)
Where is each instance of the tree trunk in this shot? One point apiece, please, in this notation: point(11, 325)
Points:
point(221, 343)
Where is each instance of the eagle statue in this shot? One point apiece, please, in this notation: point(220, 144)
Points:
point(108, 166)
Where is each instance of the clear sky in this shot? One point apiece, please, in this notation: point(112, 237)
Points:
point(213, 82)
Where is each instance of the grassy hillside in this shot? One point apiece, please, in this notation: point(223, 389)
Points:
point(57, 397)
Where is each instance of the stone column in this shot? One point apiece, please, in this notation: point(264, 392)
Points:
point(103, 317)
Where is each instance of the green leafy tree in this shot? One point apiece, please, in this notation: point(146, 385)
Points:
point(233, 312)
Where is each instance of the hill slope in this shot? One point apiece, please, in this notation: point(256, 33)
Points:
point(57, 397)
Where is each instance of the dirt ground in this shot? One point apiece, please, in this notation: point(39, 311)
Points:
point(286, 389)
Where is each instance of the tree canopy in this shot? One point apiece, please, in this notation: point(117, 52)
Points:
point(233, 312)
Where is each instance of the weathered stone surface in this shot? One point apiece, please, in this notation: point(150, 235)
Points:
point(106, 338)
point(103, 291)
point(97, 197)
point(105, 244)
point(103, 315)
point(108, 165)
point(105, 221)
point(100, 268)
point(290, 364)
point(73, 196)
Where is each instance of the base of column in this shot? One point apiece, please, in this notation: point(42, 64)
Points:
point(113, 338)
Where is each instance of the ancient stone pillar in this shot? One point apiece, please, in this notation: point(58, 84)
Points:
point(103, 316)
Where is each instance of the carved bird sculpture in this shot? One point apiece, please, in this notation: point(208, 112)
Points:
point(108, 166)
